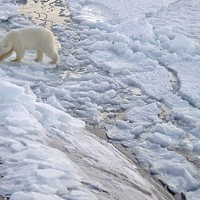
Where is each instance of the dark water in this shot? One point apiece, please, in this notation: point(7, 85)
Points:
point(45, 12)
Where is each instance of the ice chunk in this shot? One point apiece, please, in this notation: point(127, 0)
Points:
point(161, 139)
point(33, 196)
point(50, 173)
point(181, 43)
point(7, 10)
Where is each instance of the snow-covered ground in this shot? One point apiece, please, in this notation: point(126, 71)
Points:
point(127, 68)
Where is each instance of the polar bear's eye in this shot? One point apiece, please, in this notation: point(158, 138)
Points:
point(5, 45)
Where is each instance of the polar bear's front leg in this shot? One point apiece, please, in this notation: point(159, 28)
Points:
point(19, 55)
point(6, 55)
point(39, 56)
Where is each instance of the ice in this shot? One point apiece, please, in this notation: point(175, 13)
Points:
point(181, 43)
point(43, 170)
point(7, 10)
point(31, 163)
point(193, 195)
point(171, 165)
point(128, 70)
point(145, 114)
point(50, 173)
point(162, 63)
point(118, 134)
point(161, 139)
point(170, 130)
point(33, 196)
point(53, 101)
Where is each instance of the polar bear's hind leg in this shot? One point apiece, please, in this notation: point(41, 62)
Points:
point(50, 49)
point(53, 55)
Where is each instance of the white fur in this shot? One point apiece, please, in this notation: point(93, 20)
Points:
point(34, 38)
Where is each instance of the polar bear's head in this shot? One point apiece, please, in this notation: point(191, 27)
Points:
point(5, 44)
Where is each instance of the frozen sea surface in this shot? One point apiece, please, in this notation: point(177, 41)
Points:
point(128, 68)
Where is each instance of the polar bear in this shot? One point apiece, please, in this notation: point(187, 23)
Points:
point(32, 38)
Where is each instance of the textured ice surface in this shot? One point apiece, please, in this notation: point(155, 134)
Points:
point(130, 68)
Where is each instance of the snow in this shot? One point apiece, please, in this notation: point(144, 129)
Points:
point(127, 68)
point(7, 10)
point(31, 169)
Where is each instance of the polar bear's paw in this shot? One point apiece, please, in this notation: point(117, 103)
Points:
point(16, 60)
point(37, 60)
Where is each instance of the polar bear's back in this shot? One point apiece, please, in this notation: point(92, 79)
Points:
point(36, 37)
